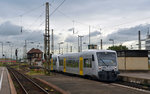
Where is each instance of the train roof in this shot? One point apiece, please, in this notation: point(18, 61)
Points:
point(88, 51)
point(95, 50)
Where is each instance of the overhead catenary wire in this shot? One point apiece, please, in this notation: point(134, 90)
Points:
point(68, 17)
point(52, 12)
point(29, 11)
point(57, 7)
point(75, 21)
point(61, 13)
point(52, 2)
point(36, 19)
point(40, 25)
point(25, 13)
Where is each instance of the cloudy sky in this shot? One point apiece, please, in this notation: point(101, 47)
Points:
point(109, 19)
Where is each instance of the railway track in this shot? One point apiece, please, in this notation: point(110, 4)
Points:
point(27, 85)
point(132, 85)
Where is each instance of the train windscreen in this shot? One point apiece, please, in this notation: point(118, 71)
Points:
point(106, 58)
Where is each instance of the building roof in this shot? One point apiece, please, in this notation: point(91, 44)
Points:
point(33, 50)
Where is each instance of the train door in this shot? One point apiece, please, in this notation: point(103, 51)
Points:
point(94, 69)
point(57, 63)
point(87, 64)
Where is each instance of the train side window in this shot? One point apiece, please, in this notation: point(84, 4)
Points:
point(68, 63)
point(93, 58)
point(87, 63)
point(61, 61)
point(90, 63)
point(77, 63)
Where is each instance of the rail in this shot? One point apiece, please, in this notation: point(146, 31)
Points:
point(28, 85)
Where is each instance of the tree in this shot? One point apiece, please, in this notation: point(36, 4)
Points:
point(117, 48)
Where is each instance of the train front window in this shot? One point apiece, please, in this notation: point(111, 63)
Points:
point(106, 58)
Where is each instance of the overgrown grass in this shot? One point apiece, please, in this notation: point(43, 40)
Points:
point(35, 72)
point(15, 67)
point(1, 64)
point(24, 64)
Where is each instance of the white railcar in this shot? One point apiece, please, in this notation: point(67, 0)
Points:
point(100, 64)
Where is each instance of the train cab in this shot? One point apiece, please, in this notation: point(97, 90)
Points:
point(107, 65)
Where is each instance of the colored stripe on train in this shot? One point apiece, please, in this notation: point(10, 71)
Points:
point(81, 65)
point(64, 64)
point(51, 64)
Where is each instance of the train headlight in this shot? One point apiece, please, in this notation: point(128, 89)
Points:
point(115, 68)
point(100, 68)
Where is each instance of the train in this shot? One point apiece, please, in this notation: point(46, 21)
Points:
point(99, 64)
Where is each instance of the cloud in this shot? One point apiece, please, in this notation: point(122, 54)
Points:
point(74, 39)
point(104, 13)
point(71, 38)
point(34, 36)
point(8, 29)
point(129, 34)
point(70, 29)
point(11, 32)
point(93, 34)
point(59, 33)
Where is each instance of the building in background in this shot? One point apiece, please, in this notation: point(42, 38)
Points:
point(92, 46)
point(133, 60)
point(34, 57)
point(147, 42)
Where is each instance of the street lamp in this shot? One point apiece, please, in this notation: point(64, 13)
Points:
point(85, 45)
point(59, 45)
point(112, 41)
point(2, 48)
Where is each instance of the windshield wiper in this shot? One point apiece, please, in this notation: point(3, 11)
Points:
point(103, 61)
